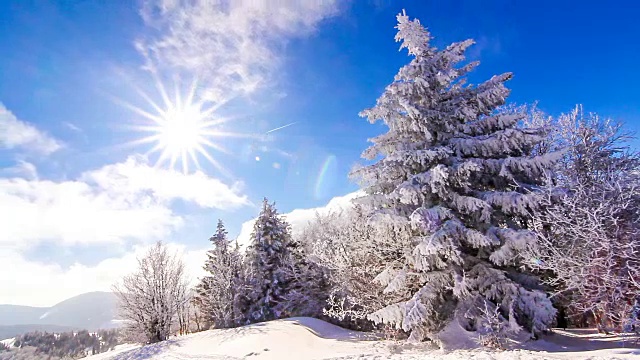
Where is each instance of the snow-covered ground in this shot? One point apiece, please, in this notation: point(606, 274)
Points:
point(8, 342)
point(306, 338)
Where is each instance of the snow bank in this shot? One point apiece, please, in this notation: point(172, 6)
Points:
point(8, 342)
point(307, 338)
point(295, 338)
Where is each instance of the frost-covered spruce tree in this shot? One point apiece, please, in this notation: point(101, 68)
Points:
point(268, 263)
point(309, 286)
point(216, 291)
point(462, 175)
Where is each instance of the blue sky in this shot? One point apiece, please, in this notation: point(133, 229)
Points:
point(81, 204)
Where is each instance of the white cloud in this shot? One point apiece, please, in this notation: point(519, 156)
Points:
point(74, 212)
point(125, 201)
point(15, 133)
point(233, 46)
point(135, 176)
point(45, 284)
point(299, 218)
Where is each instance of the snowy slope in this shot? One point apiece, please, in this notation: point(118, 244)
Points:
point(8, 342)
point(306, 338)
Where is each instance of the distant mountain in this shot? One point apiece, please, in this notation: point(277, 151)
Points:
point(17, 314)
point(91, 311)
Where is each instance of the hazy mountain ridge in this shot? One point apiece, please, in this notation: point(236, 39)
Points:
point(90, 311)
point(18, 314)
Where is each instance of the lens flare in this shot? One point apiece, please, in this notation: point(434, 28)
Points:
point(325, 176)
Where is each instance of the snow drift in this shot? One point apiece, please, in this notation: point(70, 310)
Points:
point(307, 338)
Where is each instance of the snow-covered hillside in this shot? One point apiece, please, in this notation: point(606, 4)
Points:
point(307, 338)
point(8, 342)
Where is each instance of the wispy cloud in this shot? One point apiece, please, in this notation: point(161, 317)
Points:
point(21, 169)
point(71, 126)
point(15, 133)
point(232, 46)
point(126, 201)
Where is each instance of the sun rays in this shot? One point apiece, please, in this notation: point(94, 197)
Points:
point(183, 130)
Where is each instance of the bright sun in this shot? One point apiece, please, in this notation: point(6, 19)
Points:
point(181, 131)
point(181, 134)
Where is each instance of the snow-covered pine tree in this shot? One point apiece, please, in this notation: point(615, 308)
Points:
point(239, 274)
point(269, 260)
point(309, 287)
point(216, 291)
point(461, 174)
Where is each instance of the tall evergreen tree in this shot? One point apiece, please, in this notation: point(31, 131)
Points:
point(216, 291)
point(310, 286)
point(270, 259)
point(460, 174)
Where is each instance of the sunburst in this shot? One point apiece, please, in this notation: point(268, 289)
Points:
point(182, 131)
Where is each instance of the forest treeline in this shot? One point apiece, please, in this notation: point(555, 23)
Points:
point(66, 345)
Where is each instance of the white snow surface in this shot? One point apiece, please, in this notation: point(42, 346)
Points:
point(44, 315)
point(8, 342)
point(307, 338)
